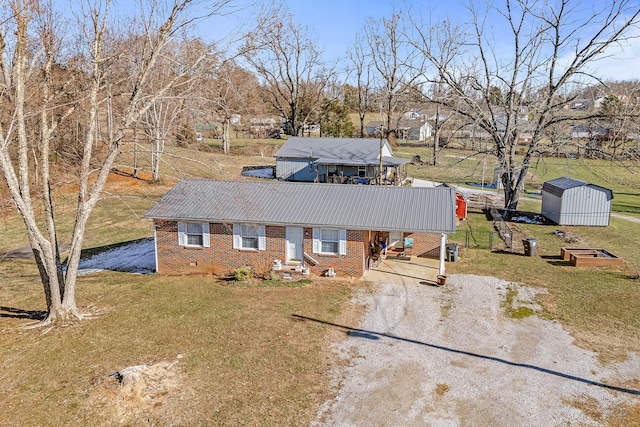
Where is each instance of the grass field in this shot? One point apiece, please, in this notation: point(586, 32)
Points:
point(459, 167)
point(241, 358)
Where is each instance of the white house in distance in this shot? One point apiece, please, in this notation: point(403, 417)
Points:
point(568, 201)
point(417, 129)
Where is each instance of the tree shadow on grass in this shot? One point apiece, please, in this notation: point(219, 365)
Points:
point(373, 335)
point(18, 313)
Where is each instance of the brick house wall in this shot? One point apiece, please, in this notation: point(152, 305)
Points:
point(425, 245)
point(352, 264)
point(221, 258)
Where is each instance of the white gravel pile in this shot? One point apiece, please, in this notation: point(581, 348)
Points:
point(448, 356)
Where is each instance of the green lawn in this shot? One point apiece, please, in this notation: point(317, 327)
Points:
point(242, 358)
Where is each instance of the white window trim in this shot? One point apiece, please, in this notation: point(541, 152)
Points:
point(182, 234)
point(237, 238)
point(317, 241)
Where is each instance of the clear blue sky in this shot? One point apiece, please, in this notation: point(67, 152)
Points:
point(334, 23)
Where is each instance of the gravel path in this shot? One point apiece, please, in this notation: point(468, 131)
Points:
point(449, 356)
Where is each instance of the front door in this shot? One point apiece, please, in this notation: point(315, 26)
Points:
point(295, 239)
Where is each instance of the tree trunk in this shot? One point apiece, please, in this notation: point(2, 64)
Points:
point(156, 153)
point(135, 151)
point(436, 145)
point(225, 136)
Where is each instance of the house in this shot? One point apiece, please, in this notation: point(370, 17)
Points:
point(262, 127)
point(207, 226)
point(413, 115)
point(568, 201)
point(311, 130)
point(416, 129)
point(525, 129)
point(338, 160)
point(207, 131)
point(582, 131)
point(580, 104)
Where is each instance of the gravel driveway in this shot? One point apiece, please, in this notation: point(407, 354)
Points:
point(449, 356)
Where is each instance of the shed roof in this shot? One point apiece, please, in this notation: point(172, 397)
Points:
point(359, 207)
point(401, 124)
point(345, 151)
point(558, 186)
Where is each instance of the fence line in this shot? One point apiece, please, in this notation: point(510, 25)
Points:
point(479, 239)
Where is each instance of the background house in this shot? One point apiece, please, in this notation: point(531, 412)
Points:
point(262, 127)
point(338, 160)
point(568, 201)
point(206, 226)
point(413, 129)
point(584, 132)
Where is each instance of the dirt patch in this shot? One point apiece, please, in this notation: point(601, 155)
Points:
point(471, 364)
point(135, 394)
point(568, 237)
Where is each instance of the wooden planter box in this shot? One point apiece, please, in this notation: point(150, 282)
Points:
point(565, 253)
point(593, 258)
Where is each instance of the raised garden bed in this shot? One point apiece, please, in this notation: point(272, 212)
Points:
point(565, 253)
point(589, 257)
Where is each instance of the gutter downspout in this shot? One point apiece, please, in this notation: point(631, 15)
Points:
point(155, 244)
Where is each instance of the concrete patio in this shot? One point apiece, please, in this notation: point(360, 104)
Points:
point(413, 271)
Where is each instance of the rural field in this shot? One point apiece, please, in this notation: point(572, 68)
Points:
point(224, 352)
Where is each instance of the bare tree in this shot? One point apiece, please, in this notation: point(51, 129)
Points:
point(392, 60)
point(29, 42)
point(229, 91)
point(361, 67)
point(290, 64)
point(163, 119)
point(441, 115)
point(516, 91)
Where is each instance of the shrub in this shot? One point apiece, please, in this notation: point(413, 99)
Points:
point(272, 276)
point(241, 274)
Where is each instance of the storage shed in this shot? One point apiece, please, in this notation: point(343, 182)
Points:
point(568, 201)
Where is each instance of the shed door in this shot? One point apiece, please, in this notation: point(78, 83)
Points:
point(295, 239)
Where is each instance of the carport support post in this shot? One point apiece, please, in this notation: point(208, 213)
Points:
point(443, 246)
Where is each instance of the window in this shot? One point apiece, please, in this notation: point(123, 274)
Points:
point(329, 241)
point(362, 171)
point(194, 234)
point(249, 237)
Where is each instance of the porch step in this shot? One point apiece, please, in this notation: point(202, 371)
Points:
point(291, 274)
point(292, 271)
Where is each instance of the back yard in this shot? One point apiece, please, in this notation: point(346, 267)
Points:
point(221, 352)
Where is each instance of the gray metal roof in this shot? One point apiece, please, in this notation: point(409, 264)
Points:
point(558, 186)
point(394, 161)
point(359, 207)
point(344, 151)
